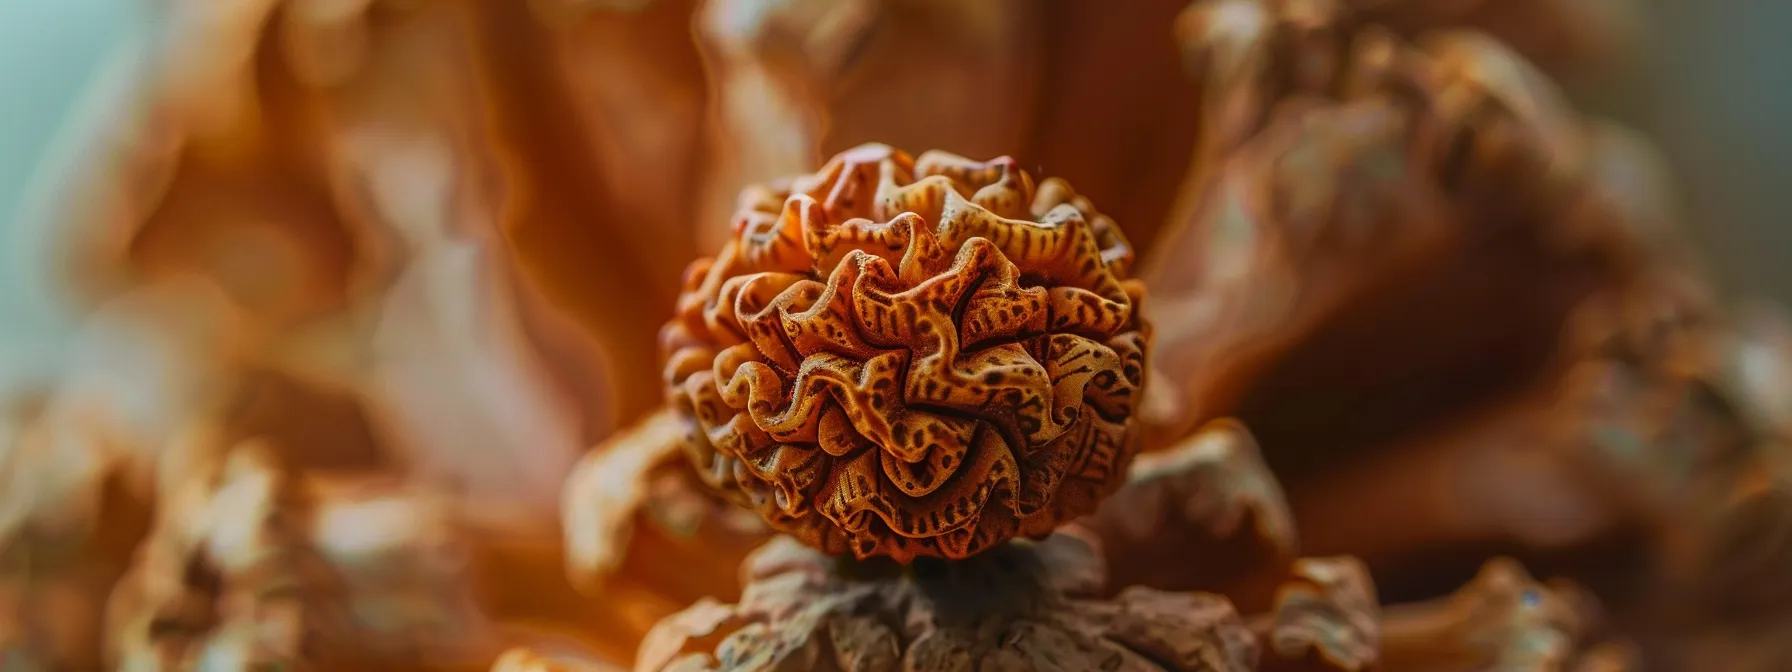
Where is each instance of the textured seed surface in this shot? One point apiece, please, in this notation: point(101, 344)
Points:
point(911, 357)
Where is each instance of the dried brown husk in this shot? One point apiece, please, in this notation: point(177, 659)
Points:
point(1041, 605)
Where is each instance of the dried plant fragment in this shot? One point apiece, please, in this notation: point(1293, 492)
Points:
point(633, 478)
point(911, 357)
point(1017, 607)
point(644, 537)
point(1202, 515)
point(66, 521)
point(1503, 620)
point(252, 565)
point(1679, 417)
point(1325, 619)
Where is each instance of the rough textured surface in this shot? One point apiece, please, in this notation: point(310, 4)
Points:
point(1203, 515)
point(912, 357)
point(1013, 608)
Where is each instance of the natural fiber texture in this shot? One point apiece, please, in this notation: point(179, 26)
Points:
point(912, 358)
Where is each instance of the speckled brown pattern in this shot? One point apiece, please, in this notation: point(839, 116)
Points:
point(911, 357)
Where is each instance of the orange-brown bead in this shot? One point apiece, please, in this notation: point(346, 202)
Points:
point(911, 357)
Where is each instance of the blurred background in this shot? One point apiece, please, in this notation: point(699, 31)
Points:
point(1705, 85)
point(411, 259)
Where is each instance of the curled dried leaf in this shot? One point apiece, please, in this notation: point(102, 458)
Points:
point(1012, 608)
point(911, 358)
